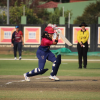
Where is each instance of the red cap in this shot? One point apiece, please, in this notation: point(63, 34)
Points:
point(49, 29)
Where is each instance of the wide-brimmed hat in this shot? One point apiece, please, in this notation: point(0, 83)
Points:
point(49, 29)
point(83, 24)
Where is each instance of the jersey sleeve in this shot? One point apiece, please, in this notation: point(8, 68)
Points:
point(13, 36)
point(21, 33)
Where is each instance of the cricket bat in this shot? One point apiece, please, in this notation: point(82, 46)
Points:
point(64, 39)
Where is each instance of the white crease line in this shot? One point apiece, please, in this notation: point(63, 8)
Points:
point(9, 83)
point(18, 59)
point(61, 59)
point(42, 78)
point(77, 59)
point(14, 82)
point(24, 80)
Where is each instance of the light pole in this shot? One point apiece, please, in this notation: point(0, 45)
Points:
point(7, 11)
point(69, 20)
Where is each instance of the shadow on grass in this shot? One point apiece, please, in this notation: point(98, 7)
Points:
point(93, 68)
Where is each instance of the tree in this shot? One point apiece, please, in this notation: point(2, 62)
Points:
point(3, 18)
point(34, 15)
point(11, 2)
point(90, 14)
point(43, 14)
point(17, 11)
point(54, 17)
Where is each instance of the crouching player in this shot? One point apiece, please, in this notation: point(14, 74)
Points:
point(43, 54)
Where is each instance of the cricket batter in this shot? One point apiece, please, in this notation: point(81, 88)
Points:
point(44, 53)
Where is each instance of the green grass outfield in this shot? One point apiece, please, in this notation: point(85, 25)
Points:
point(18, 67)
point(67, 68)
point(33, 56)
point(48, 95)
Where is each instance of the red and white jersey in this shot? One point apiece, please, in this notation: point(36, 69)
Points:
point(46, 42)
point(18, 36)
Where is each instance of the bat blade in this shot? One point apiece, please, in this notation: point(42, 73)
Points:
point(65, 39)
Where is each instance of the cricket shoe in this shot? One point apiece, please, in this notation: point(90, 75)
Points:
point(20, 58)
point(26, 78)
point(15, 58)
point(51, 77)
point(54, 78)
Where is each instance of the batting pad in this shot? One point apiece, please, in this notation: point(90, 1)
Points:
point(56, 65)
point(38, 73)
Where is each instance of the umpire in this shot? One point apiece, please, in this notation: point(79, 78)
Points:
point(17, 41)
point(82, 46)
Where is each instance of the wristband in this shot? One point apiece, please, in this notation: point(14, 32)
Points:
point(56, 41)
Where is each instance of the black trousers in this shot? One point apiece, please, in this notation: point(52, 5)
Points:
point(82, 52)
point(17, 45)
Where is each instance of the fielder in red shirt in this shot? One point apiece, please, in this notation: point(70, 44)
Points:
point(17, 42)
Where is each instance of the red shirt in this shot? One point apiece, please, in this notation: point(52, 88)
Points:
point(18, 36)
point(46, 42)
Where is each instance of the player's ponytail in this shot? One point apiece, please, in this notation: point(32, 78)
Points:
point(46, 35)
point(43, 34)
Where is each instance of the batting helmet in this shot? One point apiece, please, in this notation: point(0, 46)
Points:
point(49, 29)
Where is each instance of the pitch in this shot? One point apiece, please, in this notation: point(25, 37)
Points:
point(41, 88)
